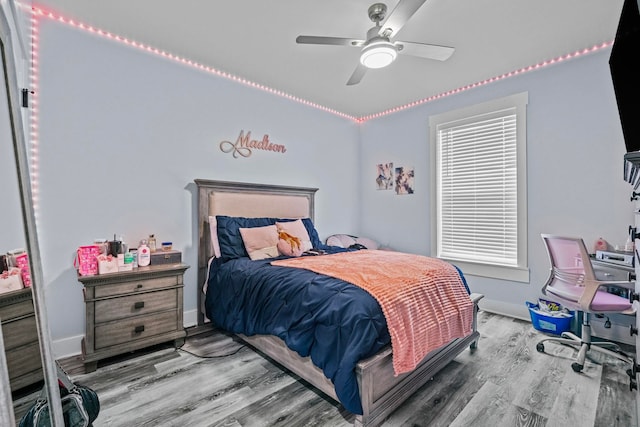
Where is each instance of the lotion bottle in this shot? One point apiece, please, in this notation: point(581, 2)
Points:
point(144, 254)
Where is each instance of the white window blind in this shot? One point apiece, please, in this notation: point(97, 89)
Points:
point(478, 189)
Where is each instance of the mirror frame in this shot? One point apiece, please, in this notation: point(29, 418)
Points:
point(29, 221)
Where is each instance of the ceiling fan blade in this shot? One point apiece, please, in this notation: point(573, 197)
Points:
point(403, 11)
point(335, 41)
point(357, 75)
point(423, 50)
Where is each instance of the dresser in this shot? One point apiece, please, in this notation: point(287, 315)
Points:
point(130, 310)
point(20, 334)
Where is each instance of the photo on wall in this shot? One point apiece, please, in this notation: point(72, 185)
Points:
point(384, 177)
point(404, 180)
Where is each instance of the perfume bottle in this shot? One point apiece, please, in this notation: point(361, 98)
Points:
point(152, 242)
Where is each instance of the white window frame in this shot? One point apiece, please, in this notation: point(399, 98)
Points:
point(515, 103)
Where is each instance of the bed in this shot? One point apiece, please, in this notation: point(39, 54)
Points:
point(379, 390)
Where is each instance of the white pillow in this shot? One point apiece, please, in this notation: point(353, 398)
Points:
point(213, 229)
point(346, 240)
point(368, 243)
point(296, 229)
point(261, 242)
point(341, 240)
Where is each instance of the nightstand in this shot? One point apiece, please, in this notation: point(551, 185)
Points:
point(20, 332)
point(130, 310)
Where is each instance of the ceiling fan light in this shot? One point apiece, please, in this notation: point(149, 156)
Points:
point(378, 55)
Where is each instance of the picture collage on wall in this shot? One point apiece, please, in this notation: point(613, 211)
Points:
point(400, 178)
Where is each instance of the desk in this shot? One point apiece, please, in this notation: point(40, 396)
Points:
point(620, 323)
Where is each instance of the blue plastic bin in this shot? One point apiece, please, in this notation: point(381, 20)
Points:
point(549, 324)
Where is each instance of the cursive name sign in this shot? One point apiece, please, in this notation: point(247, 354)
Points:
point(244, 144)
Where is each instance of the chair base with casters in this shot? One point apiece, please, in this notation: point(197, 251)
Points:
point(584, 344)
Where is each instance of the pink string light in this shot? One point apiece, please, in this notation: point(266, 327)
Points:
point(39, 12)
point(34, 139)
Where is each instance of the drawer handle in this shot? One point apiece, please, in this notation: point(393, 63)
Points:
point(138, 305)
point(138, 329)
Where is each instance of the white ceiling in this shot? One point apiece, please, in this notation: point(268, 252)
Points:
point(255, 39)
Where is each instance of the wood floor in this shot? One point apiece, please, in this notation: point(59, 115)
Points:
point(504, 382)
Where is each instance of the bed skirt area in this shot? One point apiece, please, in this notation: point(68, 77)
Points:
point(381, 392)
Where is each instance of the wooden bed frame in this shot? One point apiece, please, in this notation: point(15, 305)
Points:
point(380, 391)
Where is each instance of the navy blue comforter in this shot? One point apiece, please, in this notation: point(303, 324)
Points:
point(334, 322)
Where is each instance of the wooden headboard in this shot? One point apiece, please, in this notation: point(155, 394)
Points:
point(243, 200)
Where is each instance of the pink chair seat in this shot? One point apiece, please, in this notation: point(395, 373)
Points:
point(602, 302)
point(605, 301)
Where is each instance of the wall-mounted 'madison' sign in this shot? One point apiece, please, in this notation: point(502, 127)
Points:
point(244, 144)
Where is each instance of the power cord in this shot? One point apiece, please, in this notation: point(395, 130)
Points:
point(214, 356)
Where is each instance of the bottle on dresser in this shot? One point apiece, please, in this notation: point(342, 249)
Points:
point(144, 254)
point(152, 243)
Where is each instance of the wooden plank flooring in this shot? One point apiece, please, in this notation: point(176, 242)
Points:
point(505, 382)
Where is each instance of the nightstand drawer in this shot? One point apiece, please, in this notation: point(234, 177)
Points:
point(22, 360)
point(138, 304)
point(19, 309)
point(136, 286)
point(19, 332)
point(135, 328)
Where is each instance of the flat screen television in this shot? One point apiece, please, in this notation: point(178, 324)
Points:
point(625, 73)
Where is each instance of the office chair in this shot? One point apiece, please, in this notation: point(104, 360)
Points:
point(573, 283)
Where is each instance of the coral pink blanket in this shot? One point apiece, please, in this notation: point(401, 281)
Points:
point(423, 299)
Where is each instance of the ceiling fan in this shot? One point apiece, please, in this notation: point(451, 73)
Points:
point(378, 50)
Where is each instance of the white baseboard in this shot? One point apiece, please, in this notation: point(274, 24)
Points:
point(72, 346)
point(190, 318)
point(519, 311)
point(67, 347)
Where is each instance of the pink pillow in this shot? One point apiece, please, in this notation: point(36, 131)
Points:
point(260, 242)
point(296, 228)
point(286, 248)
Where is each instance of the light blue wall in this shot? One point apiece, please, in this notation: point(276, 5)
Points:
point(12, 231)
point(574, 152)
point(11, 226)
point(124, 133)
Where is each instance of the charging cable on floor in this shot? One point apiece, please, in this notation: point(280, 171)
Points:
point(212, 356)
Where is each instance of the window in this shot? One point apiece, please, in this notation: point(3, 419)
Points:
point(479, 181)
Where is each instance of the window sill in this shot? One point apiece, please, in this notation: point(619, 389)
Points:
point(515, 274)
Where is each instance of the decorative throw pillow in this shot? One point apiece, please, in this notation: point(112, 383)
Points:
point(229, 237)
point(296, 229)
point(341, 240)
point(368, 243)
point(261, 242)
point(347, 240)
point(309, 226)
point(289, 245)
